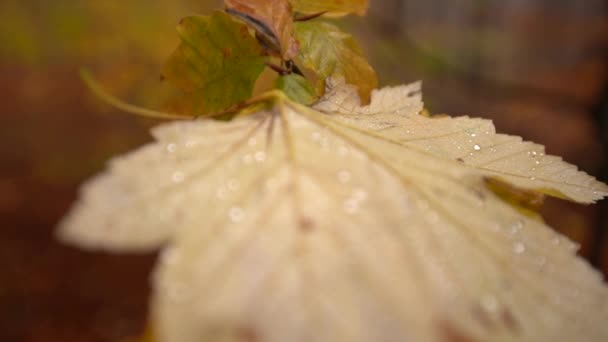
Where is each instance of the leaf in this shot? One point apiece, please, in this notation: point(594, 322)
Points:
point(333, 7)
point(216, 64)
point(345, 223)
point(272, 21)
point(332, 53)
point(472, 142)
point(297, 88)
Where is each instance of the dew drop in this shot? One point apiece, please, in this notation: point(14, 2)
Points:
point(171, 147)
point(489, 303)
point(360, 194)
point(343, 176)
point(473, 135)
point(519, 248)
point(236, 214)
point(260, 156)
point(169, 257)
point(477, 147)
point(252, 142)
point(177, 177)
point(571, 246)
point(516, 226)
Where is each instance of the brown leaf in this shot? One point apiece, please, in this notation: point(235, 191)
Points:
point(333, 8)
point(272, 20)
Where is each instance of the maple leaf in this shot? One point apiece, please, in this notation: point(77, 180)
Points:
point(331, 53)
point(345, 222)
point(332, 7)
point(272, 21)
point(216, 64)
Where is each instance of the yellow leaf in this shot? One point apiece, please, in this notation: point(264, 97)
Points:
point(345, 222)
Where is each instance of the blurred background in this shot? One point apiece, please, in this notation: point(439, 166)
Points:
point(538, 68)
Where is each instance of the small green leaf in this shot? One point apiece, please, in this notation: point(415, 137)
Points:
point(216, 64)
point(332, 7)
point(297, 88)
point(331, 53)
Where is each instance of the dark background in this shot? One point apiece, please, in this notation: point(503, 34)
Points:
point(538, 68)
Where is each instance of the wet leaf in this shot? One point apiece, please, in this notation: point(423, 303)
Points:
point(272, 21)
point(345, 222)
point(332, 53)
point(216, 64)
point(297, 88)
point(471, 142)
point(332, 7)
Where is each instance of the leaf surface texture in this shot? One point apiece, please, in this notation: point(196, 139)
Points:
point(333, 54)
point(216, 64)
point(346, 223)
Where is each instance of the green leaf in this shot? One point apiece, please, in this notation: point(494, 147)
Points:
point(297, 88)
point(333, 7)
point(331, 53)
point(216, 64)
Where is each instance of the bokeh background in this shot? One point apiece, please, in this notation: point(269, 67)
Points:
point(538, 68)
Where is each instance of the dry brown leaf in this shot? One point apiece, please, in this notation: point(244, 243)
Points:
point(272, 21)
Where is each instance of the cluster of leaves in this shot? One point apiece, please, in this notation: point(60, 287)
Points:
point(346, 220)
point(222, 55)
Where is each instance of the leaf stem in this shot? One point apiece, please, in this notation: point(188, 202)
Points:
point(309, 16)
point(132, 109)
point(129, 108)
